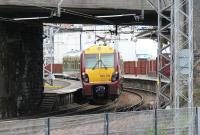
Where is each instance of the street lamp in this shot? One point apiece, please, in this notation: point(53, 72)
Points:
point(135, 42)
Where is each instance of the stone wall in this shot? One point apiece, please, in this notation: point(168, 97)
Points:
point(21, 60)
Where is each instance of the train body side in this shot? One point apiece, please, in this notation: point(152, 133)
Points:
point(71, 65)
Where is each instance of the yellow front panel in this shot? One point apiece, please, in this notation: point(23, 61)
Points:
point(101, 75)
point(99, 49)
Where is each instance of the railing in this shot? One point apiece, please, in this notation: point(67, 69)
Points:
point(150, 122)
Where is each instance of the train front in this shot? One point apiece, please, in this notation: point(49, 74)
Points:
point(100, 72)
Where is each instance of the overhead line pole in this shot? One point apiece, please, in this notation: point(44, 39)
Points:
point(181, 60)
point(165, 42)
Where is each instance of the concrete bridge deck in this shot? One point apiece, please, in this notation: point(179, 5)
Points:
point(101, 4)
point(79, 11)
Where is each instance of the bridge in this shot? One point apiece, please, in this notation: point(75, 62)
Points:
point(86, 12)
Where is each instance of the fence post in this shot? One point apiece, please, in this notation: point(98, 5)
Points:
point(156, 122)
point(106, 124)
point(47, 126)
point(197, 121)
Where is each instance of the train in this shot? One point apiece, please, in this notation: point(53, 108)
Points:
point(71, 65)
point(101, 72)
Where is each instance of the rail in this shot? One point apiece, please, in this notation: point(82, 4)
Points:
point(134, 106)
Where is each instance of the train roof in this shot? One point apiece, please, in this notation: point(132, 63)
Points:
point(99, 49)
point(73, 53)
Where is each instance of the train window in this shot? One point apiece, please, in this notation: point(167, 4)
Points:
point(107, 60)
point(91, 60)
point(76, 62)
point(71, 65)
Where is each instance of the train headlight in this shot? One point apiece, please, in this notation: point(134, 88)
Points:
point(85, 77)
point(115, 76)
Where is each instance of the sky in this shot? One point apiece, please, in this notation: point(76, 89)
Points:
point(129, 49)
point(65, 42)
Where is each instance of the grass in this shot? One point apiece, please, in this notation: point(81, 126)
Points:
point(53, 87)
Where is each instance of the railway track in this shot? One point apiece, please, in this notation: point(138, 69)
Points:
point(133, 106)
point(148, 97)
point(73, 108)
point(137, 89)
point(87, 108)
point(92, 109)
point(115, 106)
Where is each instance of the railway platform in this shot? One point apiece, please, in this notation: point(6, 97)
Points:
point(141, 82)
point(63, 92)
point(143, 78)
point(62, 86)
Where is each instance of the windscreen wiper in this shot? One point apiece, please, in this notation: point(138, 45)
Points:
point(103, 64)
point(98, 63)
point(95, 65)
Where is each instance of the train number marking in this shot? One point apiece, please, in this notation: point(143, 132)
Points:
point(104, 75)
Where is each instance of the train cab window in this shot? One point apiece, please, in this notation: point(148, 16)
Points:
point(91, 60)
point(107, 60)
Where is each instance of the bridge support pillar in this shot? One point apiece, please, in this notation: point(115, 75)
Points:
point(196, 28)
point(21, 62)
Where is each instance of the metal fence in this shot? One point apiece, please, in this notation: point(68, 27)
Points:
point(151, 122)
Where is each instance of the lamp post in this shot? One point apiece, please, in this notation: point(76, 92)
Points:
point(135, 42)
